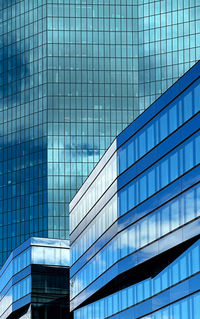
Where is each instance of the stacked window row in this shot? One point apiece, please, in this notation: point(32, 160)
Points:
point(25, 173)
point(166, 122)
point(21, 30)
point(19, 16)
point(16, 265)
point(183, 309)
point(100, 10)
point(29, 122)
point(23, 207)
point(18, 291)
point(58, 227)
point(121, 10)
point(102, 222)
point(20, 6)
point(174, 214)
point(91, 26)
point(95, 191)
point(160, 21)
point(14, 235)
point(157, 7)
point(169, 50)
point(85, 65)
point(165, 171)
point(173, 47)
point(111, 91)
point(33, 255)
point(183, 267)
point(49, 256)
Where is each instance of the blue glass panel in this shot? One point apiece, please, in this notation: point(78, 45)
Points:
point(197, 98)
point(172, 215)
point(187, 105)
point(173, 274)
point(174, 166)
point(163, 125)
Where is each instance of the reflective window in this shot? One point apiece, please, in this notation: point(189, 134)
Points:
point(161, 174)
point(166, 122)
point(178, 270)
point(95, 229)
point(183, 309)
point(95, 191)
point(52, 253)
point(159, 223)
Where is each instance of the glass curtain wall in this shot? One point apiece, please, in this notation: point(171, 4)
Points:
point(23, 128)
point(168, 44)
point(73, 74)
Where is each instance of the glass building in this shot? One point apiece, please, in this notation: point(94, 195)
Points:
point(135, 235)
point(34, 280)
point(73, 74)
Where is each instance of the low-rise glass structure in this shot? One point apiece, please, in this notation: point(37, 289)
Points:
point(34, 280)
point(135, 222)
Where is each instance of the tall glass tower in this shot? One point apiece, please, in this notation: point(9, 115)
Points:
point(73, 74)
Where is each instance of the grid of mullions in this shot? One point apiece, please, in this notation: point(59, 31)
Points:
point(84, 98)
point(23, 142)
point(90, 53)
point(168, 44)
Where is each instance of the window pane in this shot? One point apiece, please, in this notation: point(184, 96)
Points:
point(151, 182)
point(150, 137)
point(173, 166)
point(131, 196)
point(189, 156)
point(163, 126)
point(142, 144)
point(187, 106)
point(143, 188)
point(165, 221)
point(173, 120)
point(164, 173)
point(197, 99)
point(130, 148)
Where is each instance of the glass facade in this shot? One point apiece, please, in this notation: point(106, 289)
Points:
point(23, 104)
point(186, 308)
point(138, 241)
point(16, 275)
point(183, 309)
point(50, 292)
point(73, 75)
point(189, 265)
point(167, 44)
point(166, 219)
point(163, 172)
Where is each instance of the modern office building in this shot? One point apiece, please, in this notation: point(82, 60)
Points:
point(73, 75)
point(34, 281)
point(135, 222)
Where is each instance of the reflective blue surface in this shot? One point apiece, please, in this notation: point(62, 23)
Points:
point(15, 275)
point(15, 293)
point(160, 127)
point(165, 171)
point(184, 309)
point(23, 124)
point(105, 219)
point(73, 75)
point(161, 222)
point(157, 192)
point(101, 183)
point(175, 164)
point(183, 267)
